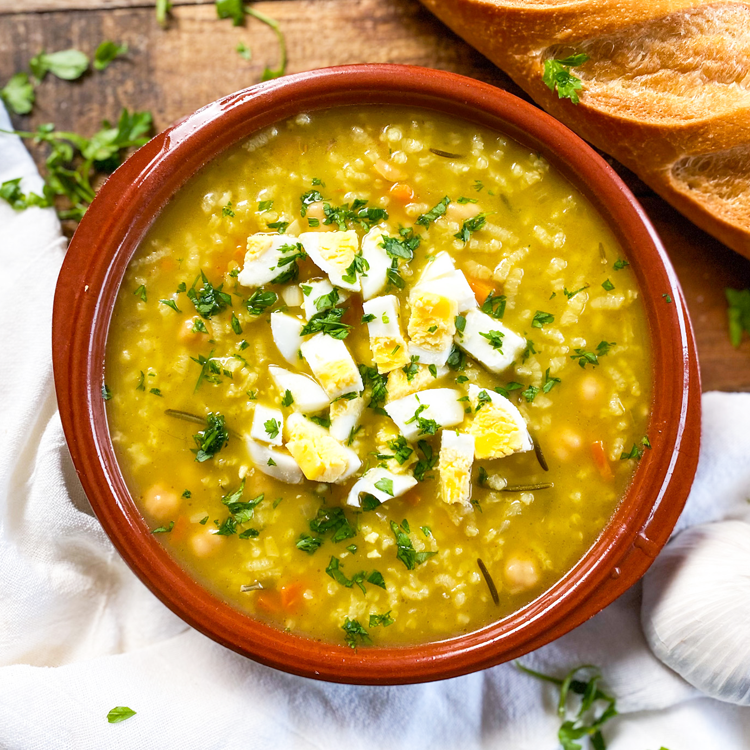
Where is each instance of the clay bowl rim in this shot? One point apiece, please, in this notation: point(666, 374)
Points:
point(123, 211)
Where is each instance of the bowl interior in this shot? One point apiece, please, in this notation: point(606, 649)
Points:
point(124, 210)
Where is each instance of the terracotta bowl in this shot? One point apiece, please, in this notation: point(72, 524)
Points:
point(117, 221)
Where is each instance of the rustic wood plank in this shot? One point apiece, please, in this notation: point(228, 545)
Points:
point(174, 72)
point(11, 7)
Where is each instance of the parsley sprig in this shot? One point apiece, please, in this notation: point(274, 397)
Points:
point(211, 439)
point(557, 76)
point(406, 552)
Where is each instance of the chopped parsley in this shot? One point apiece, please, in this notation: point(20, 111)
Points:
point(620, 264)
point(358, 266)
point(292, 254)
point(187, 493)
point(512, 386)
point(209, 300)
point(355, 633)
point(393, 276)
point(378, 385)
point(529, 350)
point(607, 285)
point(327, 301)
point(264, 206)
point(494, 306)
point(106, 393)
point(570, 295)
point(557, 76)
point(426, 463)
point(141, 292)
point(119, 713)
point(469, 226)
point(460, 322)
point(412, 368)
point(584, 357)
point(287, 399)
point(236, 327)
point(329, 322)
point(530, 393)
point(279, 226)
point(155, 391)
point(260, 300)
point(405, 549)
point(210, 370)
point(170, 303)
point(495, 338)
point(482, 476)
point(332, 520)
point(211, 439)
point(541, 319)
point(272, 427)
point(164, 529)
point(360, 578)
point(667, 298)
point(456, 359)
point(367, 318)
point(385, 485)
point(385, 620)
point(227, 210)
point(401, 248)
point(199, 326)
point(322, 421)
point(434, 213)
point(401, 450)
point(244, 51)
point(309, 544)
point(483, 398)
point(549, 382)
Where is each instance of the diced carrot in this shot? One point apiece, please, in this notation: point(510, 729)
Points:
point(270, 601)
point(291, 595)
point(601, 460)
point(481, 288)
point(179, 530)
point(168, 263)
point(412, 497)
point(402, 192)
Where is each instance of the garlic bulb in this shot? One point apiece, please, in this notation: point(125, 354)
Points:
point(696, 609)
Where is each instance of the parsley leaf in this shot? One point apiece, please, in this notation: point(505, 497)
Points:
point(495, 338)
point(405, 549)
point(287, 399)
point(401, 248)
point(359, 265)
point(271, 427)
point(260, 300)
point(434, 213)
point(164, 529)
point(119, 713)
point(570, 295)
point(385, 485)
point(738, 314)
point(401, 451)
point(426, 463)
point(470, 225)
point(106, 52)
point(456, 359)
point(541, 319)
point(607, 285)
point(494, 306)
point(211, 439)
point(620, 264)
point(209, 300)
point(355, 633)
point(68, 64)
point(244, 51)
point(309, 544)
point(332, 520)
point(378, 385)
point(557, 76)
point(106, 393)
point(385, 620)
point(328, 321)
point(549, 383)
point(584, 357)
point(18, 94)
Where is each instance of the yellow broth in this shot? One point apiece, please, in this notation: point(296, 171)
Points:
point(541, 245)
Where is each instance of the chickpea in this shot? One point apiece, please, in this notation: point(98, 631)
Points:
point(315, 211)
point(388, 172)
point(459, 212)
point(204, 543)
point(187, 335)
point(566, 442)
point(521, 573)
point(591, 389)
point(160, 502)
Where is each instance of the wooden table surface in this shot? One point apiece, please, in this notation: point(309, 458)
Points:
point(173, 71)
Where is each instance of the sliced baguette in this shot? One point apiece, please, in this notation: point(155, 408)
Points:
point(666, 90)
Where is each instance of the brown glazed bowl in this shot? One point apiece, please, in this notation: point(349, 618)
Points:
point(117, 221)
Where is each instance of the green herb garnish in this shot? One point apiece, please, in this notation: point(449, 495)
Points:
point(434, 213)
point(119, 713)
point(106, 52)
point(469, 226)
point(211, 439)
point(406, 552)
point(557, 76)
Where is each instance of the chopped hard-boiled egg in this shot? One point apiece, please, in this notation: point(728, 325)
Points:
point(489, 341)
point(307, 394)
point(412, 378)
point(333, 253)
point(264, 252)
point(345, 415)
point(321, 457)
point(425, 412)
point(332, 365)
point(432, 324)
point(387, 343)
point(440, 294)
point(275, 462)
point(268, 425)
point(286, 330)
point(498, 427)
point(381, 484)
point(312, 291)
point(454, 467)
point(378, 262)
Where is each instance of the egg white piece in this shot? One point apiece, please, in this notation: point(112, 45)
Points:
point(275, 418)
point(320, 457)
point(264, 251)
point(318, 289)
point(307, 394)
point(379, 262)
point(499, 428)
point(387, 343)
point(473, 343)
point(332, 365)
point(345, 416)
point(285, 330)
point(333, 253)
point(399, 484)
point(274, 462)
point(454, 467)
point(442, 405)
point(441, 277)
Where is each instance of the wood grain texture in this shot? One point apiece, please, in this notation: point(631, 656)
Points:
point(173, 72)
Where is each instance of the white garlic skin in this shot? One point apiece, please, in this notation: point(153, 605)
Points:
point(696, 609)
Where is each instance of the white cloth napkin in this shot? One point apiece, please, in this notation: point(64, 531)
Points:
point(79, 633)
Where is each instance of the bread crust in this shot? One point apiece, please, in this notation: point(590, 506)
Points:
point(666, 89)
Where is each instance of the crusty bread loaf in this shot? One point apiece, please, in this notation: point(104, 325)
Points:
point(666, 90)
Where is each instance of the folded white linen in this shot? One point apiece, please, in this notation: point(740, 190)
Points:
point(79, 634)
